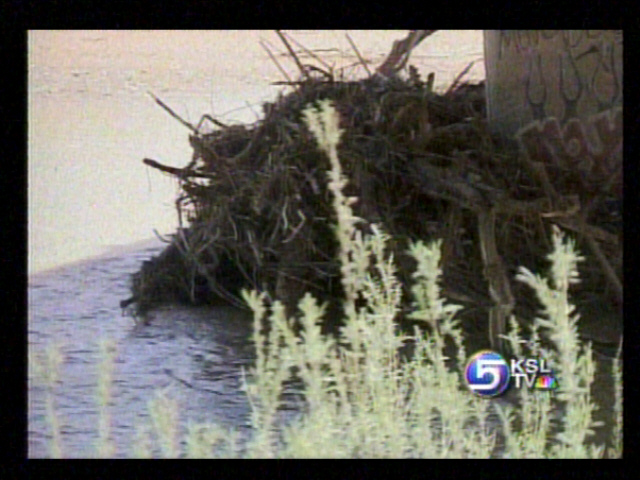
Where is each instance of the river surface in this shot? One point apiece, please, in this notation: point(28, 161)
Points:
point(93, 206)
point(195, 355)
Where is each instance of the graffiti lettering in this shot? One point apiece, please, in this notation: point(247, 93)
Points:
point(524, 39)
point(571, 146)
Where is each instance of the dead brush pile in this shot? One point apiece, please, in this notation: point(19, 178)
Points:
point(255, 210)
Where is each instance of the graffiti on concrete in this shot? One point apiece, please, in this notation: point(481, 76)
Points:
point(593, 145)
point(564, 90)
point(523, 40)
point(554, 73)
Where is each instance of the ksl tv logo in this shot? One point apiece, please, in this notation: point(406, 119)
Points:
point(488, 374)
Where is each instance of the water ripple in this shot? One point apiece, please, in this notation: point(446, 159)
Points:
point(195, 353)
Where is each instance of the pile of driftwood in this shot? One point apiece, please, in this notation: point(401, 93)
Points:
point(255, 210)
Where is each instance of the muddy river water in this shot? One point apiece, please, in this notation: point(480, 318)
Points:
point(196, 355)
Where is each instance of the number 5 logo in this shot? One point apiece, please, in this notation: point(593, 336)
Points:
point(487, 374)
